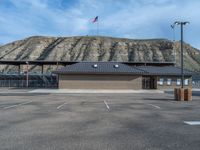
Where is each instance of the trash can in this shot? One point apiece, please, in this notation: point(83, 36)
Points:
point(181, 94)
point(188, 94)
point(176, 93)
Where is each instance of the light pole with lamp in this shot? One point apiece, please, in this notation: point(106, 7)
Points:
point(181, 24)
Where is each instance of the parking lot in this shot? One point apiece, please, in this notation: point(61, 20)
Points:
point(154, 121)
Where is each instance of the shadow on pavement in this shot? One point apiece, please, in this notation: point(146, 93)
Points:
point(159, 99)
point(22, 94)
point(194, 93)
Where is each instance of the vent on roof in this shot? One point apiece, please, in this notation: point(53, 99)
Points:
point(95, 65)
point(116, 66)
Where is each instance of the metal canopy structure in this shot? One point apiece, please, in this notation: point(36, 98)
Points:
point(35, 62)
point(64, 63)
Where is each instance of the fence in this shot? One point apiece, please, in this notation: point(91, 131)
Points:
point(45, 81)
point(34, 80)
point(196, 81)
point(196, 84)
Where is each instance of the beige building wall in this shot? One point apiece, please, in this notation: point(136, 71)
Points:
point(100, 82)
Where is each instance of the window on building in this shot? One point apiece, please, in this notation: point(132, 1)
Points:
point(178, 82)
point(186, 82)
point(169, 81)
point(161, 82)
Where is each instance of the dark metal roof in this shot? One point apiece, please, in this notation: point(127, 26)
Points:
point(110, 68)
point(99, 68)
point(165, 70)
point(150, 63)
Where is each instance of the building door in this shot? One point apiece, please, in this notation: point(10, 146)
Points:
point(149, 82)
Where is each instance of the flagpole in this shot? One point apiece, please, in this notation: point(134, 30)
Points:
point(98, 27)
point(96, 21)
point(173, 28)
point(174, 39)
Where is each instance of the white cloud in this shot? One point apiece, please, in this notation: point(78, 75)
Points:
point(130, 18)
point(42, 4)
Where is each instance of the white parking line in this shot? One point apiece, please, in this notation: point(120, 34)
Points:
point(17, 105)
point(154, 106)
point(61, 105)
point(106, 105)
point(192, 122)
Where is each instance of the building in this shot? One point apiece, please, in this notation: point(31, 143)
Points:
point(118, 75)
point(18, 76)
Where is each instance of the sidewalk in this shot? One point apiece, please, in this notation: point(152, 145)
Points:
point(63, 91)
point(92, 91)
point(7, 91)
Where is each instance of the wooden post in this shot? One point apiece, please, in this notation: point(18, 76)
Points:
point(19, 69)
point(27, 67)
point(42, 68)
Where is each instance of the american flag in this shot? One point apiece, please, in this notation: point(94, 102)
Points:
point(95, 19)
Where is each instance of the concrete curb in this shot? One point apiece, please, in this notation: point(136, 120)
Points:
point(63, 91)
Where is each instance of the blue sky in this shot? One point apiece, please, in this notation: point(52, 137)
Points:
point(136, 19)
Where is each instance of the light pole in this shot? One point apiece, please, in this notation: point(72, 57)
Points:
point(173, 28)
point(181, 24)
point(27, 67)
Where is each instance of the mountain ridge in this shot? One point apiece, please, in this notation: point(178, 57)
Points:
point(98, 48)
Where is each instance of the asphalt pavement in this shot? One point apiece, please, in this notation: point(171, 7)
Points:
point(153, 121)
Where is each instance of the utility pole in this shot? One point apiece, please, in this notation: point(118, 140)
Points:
point(182, 67)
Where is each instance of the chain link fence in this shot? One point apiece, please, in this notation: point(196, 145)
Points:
point(33, 80)
point(196, 81)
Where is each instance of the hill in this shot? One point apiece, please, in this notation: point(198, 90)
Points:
point(92, 48)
